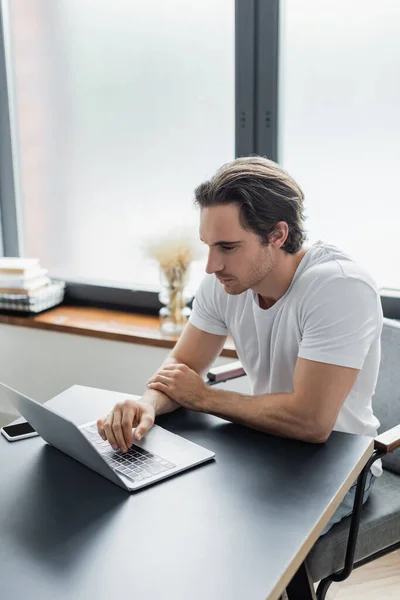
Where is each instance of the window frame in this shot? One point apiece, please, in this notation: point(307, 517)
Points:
point(10, 231)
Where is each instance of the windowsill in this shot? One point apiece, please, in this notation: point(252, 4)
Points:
point(105, 324)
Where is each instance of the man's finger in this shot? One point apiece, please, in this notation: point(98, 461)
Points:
point(100, 428)
point(109, 431)
point(146, 422)
point(117, 429)
point(163, 375)
point(157, 385)
point(161, 379)
point(128, 418)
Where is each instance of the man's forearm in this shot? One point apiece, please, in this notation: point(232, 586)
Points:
point(277, 414)
point(161, 402)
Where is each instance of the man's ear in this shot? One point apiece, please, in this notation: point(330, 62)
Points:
point(279, 236)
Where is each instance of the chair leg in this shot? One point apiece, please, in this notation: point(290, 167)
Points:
point(323, 588)
point(301, 587)
point(353, 532)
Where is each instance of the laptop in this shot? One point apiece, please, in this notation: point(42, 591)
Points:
point(158, 455)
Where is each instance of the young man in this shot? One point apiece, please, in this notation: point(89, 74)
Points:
point(306, 322)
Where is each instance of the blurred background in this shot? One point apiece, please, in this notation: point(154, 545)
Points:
point(118, 110)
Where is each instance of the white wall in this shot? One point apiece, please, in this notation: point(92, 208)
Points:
point(41, 364)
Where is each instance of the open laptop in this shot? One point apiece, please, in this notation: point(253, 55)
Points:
point(158, 455)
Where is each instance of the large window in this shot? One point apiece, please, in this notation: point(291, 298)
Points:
point(340, 124)
point(118, 110)
point(121, 109)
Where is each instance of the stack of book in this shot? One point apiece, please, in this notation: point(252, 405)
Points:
point(25, 286)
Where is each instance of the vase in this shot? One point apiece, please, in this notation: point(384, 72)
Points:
point(174, 296)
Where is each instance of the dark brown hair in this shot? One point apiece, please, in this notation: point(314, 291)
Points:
point(265, 195)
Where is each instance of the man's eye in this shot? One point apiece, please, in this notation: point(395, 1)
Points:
point(228, 248)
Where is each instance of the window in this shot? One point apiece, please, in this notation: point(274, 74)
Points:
point(120, 109)
point(340, 124)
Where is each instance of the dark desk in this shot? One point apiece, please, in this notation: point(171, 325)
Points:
point(237, 528)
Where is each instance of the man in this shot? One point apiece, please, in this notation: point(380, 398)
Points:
point(306, 322)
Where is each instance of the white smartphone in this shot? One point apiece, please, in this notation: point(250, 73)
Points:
point(19, 431)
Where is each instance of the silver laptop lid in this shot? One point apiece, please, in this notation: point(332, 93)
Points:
point(61, 433)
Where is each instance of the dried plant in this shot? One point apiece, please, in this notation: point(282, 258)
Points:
point(174, 256)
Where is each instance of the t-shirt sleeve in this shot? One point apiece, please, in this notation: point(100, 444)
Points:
point(207, 308)
point(340, 322)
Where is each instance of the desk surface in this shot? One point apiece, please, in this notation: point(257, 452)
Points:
point(238, 527)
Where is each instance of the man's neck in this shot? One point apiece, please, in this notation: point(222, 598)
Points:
point(278, 281)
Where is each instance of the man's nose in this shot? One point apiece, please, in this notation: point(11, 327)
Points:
point(214, 264)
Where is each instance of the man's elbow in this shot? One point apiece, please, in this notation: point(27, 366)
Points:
point(319, 437)
point(315, 433)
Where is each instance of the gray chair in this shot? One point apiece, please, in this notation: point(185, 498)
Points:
point(373, 530)
point(379, 525)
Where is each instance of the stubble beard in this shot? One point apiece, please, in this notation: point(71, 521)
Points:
point(256, 275)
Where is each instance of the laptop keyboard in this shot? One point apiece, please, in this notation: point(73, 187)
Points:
point(137, 464)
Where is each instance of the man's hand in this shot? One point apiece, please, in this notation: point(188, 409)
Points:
point(181, 384)
point(117, 426)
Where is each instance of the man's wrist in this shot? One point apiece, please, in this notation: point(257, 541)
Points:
point(160, 402)
point(154, 398)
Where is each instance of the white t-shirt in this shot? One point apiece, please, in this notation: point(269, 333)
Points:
point(331, 313)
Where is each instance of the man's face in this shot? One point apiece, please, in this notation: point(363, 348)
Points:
point(236, 256)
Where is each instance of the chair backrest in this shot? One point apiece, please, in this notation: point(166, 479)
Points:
point(386, 400)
